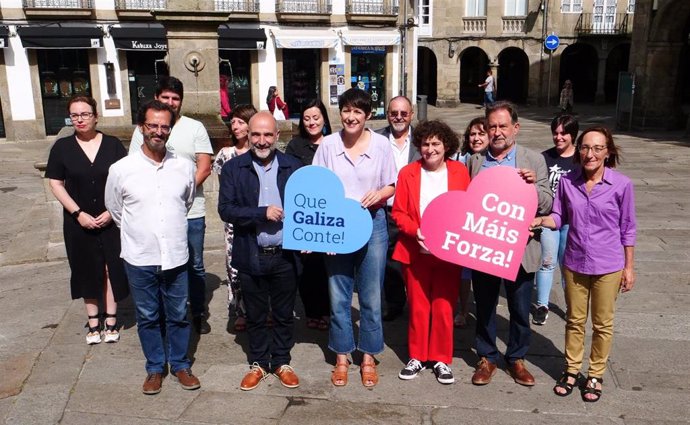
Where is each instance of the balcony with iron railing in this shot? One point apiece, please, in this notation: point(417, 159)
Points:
point(513, 24)
point(138, 8)
point(241, 6)
point(474, 24)
point(52, 8)
point(590, 24)
point(304, 10)
point(372, 11)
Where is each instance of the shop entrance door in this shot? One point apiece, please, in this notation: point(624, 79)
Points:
point(235, 65)
point(301, 78)
point(144, 69)
point(63, 73)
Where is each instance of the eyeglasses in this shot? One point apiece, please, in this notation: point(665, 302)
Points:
point(596, 149)
point(165, 129)
point(83, 115)
point(394, 114)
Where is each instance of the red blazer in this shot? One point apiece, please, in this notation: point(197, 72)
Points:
point(405, 210)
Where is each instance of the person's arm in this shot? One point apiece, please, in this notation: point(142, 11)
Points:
point(229, 207)
point(85, 219)
point(628, 278)
point(113, 197)
point(400, 211)
point(203, 168)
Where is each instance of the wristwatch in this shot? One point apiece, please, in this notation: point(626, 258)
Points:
point(75, 214)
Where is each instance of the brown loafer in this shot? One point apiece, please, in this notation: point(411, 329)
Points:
point(153, 383)
point(520, 374)
point(253, 378)
point(484, 371)
point(287, 376)
point(187, 379)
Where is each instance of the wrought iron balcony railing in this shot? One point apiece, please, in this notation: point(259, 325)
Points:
point(58, 4)
point(140, 4)
point(474, 24)
point(250, 6)
point(372, 7)
point(591, 24)
point(308, 7)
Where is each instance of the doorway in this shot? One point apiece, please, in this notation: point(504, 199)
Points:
point(301, 78)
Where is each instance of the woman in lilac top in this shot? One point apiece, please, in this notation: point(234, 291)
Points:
point(363, 161)
point(599, 205)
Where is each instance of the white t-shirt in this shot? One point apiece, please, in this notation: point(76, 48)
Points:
point(489, 83)
point(400, 155)
point(433, 183)
point(187, 138)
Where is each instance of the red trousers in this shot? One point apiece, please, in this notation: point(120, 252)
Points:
point(432, 291)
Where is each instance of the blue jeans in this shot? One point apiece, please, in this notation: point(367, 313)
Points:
point(519, 296)
point(552, 246)
point(196, 229)
point(488, 98)
point(151, 289)
point(362, 270)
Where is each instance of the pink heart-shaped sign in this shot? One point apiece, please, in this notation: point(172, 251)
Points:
point(485, 228)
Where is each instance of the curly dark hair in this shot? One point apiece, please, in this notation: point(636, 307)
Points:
point(441, 130)
point(481, 121)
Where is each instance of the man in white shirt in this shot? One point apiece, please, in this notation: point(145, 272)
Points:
point(148, 195)
point(399, 133)
point(488, 86)
point(190, 140)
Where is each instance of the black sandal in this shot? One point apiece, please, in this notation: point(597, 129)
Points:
point(565, 385)
point(590, 387)
point(112, 333)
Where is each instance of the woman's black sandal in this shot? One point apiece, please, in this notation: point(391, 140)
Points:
point(590, 387)
point(565, 385)
point(94, 335)
point(111, 333)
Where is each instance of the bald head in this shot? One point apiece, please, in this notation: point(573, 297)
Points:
point(263, 134)
point(400, 115)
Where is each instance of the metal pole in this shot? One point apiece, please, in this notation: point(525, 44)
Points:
point(548, 85)
point(632, 102)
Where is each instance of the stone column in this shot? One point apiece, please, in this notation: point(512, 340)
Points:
point(192, 30)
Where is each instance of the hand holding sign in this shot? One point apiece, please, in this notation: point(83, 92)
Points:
point(485, 228)
point(319, 218)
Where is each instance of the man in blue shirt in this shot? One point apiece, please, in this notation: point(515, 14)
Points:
point(252, 189)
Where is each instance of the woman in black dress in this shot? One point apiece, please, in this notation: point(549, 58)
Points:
point(77, 170)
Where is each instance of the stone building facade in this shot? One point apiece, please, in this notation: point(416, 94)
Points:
point(463, 38)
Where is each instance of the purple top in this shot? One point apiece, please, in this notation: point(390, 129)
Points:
point(601, 223)
point(373, 170)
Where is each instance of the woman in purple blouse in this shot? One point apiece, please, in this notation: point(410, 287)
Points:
point(363, 161)
point(599, 205)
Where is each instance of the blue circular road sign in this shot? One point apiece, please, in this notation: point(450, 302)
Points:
point(552, 42)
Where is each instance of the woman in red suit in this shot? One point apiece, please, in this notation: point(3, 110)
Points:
point(432, 284)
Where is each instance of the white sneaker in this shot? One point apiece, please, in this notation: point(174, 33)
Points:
point(412, 369)
point(443, 373)
point(93, 338)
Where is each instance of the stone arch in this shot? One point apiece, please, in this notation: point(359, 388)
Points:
point(427, 74)
point(579, 64)
point(473, 65)
point(513, 75)
point(616, 62)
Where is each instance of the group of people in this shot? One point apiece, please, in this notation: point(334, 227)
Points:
point(147, 208)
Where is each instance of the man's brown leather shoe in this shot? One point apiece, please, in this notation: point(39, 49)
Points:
point(520, 373)
point(253, 378)
point(153, 383)
point(187, 379)
point(287, 376)
point(484, 371)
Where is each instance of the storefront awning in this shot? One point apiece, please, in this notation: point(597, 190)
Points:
point(4, 34)
point(305, 39)
point(387, 37)
point(60, 36)
point(231, 38)
point(139, 37)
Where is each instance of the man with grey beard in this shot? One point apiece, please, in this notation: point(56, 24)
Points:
point(252, 189)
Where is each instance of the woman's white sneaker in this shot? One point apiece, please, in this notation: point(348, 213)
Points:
point(93, 338)
point(412, 369)
point(443, 373)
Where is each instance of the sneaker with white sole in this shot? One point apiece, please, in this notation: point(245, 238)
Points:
point(443, 373)
point(111, 336)
point(540, 314)
point(93, 337)
point(412, 369)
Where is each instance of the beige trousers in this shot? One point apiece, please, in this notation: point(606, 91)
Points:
point(581, 292)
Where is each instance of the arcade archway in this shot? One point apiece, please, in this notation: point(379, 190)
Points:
point(513, 74)
point(473, 65)
point(579, 64)
point(426, 74)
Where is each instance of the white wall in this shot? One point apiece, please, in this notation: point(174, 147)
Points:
point(109, 54)
point(18, 78)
